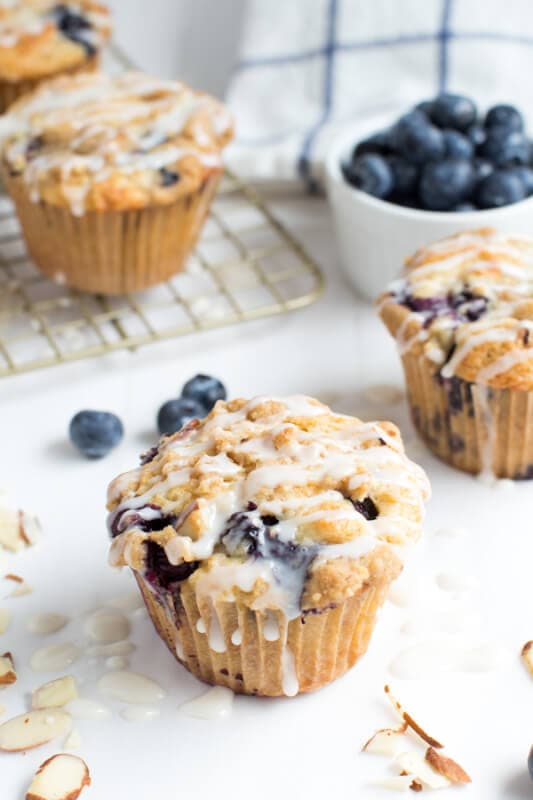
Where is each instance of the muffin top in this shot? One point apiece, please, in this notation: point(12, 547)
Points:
point(98, 142)
point(466, 304)
point(280, 500)
point(41, 37)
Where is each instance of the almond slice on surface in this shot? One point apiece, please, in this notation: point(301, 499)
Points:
point(420, 771)
point(33, 729)
point(447, 767)
point(397, 783)
point(55, 694)
point(61, 777)
point(386, 741)
point(527, 656)
point(18, 529)
point(8, 673)
point(410, 722)
point(5, 619)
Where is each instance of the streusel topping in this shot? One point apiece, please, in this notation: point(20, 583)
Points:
point(99, 142)
point(264, 496)
point(466, 303)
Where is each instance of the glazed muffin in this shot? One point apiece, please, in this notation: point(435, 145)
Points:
point(40, 39)
point(265, 537)
point(112, 177)
point(462, 316)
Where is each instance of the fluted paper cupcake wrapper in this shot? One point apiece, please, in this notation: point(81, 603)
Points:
point(310, 651)
point(472, 427)
point(111, 252)
point(12, 90)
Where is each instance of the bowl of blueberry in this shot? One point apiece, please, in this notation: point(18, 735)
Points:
point(440, 168)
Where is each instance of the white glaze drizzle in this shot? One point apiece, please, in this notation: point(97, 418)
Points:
point(216, 703)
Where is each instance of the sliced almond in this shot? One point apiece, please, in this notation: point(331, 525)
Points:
point(418, 769)
point(21, 589)
point(33, 729)
point(8, 673)
point(527, 656)
point(55, 694)
point(5, 619)
point(12, 577)
point(408, 719)
point(30, 528)
point(386, 741)
point(447, 767)
point(398, 783)
point(61, 777)
point(18, 529)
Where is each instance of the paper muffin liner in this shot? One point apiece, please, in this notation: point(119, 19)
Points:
point(228, 644)
point(111, 252)
point(472, 427)
point(12, 90)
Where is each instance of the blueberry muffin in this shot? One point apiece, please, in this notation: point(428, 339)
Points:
point(112, 177)
point(462, 315)
point(265, 537)
point(40, 39)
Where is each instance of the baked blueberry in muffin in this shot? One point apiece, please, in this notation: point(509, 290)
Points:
point(462, 315)
point(264, 539)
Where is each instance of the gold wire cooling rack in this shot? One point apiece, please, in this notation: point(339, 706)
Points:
point(246, 265)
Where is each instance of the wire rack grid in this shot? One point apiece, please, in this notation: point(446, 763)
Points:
point(246, 265)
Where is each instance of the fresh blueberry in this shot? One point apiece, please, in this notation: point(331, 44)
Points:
point(204, 389)
point(168, 177)
point(404, 175)
point(505, 147)
point(379, 143)
point(530, 763)
point(457, 144)
point(500, 188)
point(371, 174)
point(174, 414)
point(476, 133)
point(482, 168)
point(426, 107)
point(464, 207)
point(453, 111)
point(95, 433)
point(73, 26)
point(417, 140)
point(446, 183)
point(505, 116)
point(526, 176)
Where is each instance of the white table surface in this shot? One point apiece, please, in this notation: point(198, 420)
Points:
point(308, 746)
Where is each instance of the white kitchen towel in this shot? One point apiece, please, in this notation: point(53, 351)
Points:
point(309, 67)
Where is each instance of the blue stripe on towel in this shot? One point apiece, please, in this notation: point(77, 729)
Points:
point(304, 169)
point(444, 36)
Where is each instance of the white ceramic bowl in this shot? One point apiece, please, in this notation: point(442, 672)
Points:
point(375, 237)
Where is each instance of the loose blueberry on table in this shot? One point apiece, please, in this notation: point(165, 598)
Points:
point(198, 397)
point(95, 433)
point(442, 156)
